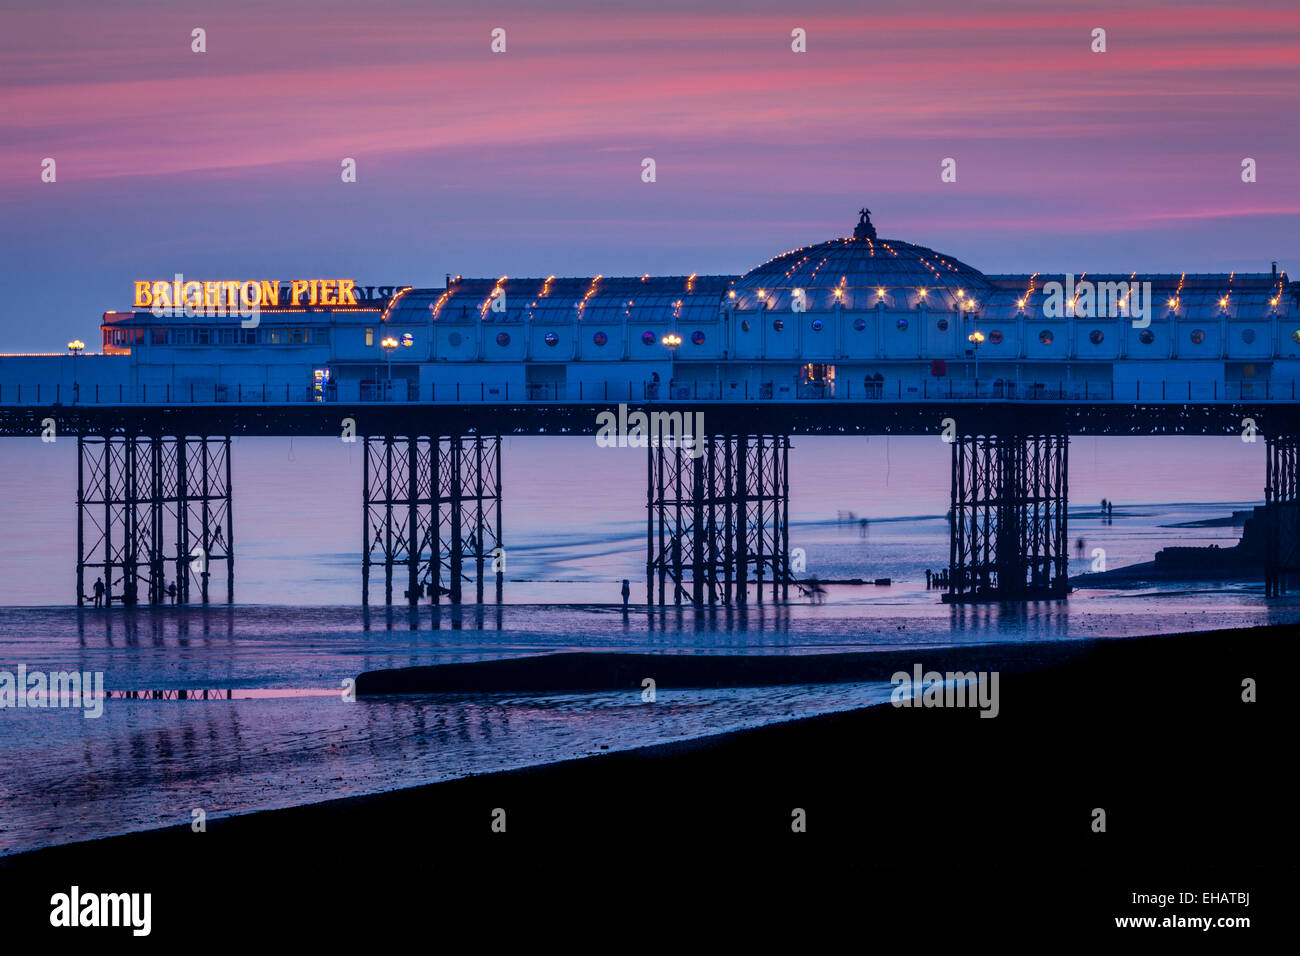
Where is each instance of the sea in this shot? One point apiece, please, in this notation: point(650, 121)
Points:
point(274, 725)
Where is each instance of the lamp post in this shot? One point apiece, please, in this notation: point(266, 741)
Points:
point(389, 345)
point(75, 347)
point(671, 340)
point(975, 338)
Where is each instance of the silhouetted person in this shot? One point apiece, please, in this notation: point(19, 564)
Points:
point(171, 592)
point(627, 591)
point(99, 592)
point(1078, 547)
point(928, 575)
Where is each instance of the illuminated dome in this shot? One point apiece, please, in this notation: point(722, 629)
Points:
point(860, 271)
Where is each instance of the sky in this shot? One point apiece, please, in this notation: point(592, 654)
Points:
point(227, 163)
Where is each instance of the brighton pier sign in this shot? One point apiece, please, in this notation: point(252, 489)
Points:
point(236, 297)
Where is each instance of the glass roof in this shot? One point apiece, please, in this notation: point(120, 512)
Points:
point(858, 272)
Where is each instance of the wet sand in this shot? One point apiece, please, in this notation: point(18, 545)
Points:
point(921, 818)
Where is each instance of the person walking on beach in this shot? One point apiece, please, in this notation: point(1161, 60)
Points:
point(627, 592)
point(99, 592)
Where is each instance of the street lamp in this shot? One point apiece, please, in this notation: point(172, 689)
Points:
point(389, 345)
point(76, 347)
point(671, 340)
point(975, 338)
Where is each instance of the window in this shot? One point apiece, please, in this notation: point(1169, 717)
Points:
point(995, 337)
point(816, 325)
point(1146, 337)
point(503, 339)
point(859, 324)
point(1248, 336)
point(1198, 336)
point(1046, 336)
point(454, 339)
point(600, 338)
point(697, 337)
point(901, 323)
point(942, 325)
point(552, 339)
point(299, 337)
point(248, 336)
point(159, 337)
point(647, 338)
point(370, 336)
point(1095, 336)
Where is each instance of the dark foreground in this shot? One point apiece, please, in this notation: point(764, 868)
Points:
point(930, 823)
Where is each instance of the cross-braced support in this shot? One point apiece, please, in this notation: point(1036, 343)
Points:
point(717, 519)
point(432, 514)
point(1282, 514)
point(153, 518)
point(1008, 526)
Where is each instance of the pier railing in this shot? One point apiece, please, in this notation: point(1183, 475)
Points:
point(461, 393)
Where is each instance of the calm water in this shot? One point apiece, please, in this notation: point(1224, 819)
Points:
point(573, 527)
point(574, 514)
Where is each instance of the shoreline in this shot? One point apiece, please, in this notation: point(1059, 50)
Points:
point(1128, 724)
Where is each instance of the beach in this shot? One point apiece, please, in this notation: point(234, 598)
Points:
point(935, 811)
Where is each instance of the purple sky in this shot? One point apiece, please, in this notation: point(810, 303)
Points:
point(226, 164)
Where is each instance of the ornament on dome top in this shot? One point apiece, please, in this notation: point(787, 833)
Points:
point(865, 229)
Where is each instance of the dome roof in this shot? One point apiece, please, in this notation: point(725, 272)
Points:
point(860, 268)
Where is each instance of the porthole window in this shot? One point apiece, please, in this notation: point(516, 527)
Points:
point(778, 325)
point(995, 337)
point(901, 323)
point(408, 339)
point(454, 338)
point(1295, 336)
point(1197, 336)
point(1096, 336)
point(647, 338)
point(1146, 337)
point(697, 337)
point(816, 325)
point(552, 339)
point(859, 324)
point(503, 338)
point(1046, 336)
point(600, 338)
point(1248, 336)
point(942, 325)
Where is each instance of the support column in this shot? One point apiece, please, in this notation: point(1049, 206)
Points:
point(1008, 533)
point(143, 497)
point(433, 507)
point(717, 517)
point(1281, 512)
